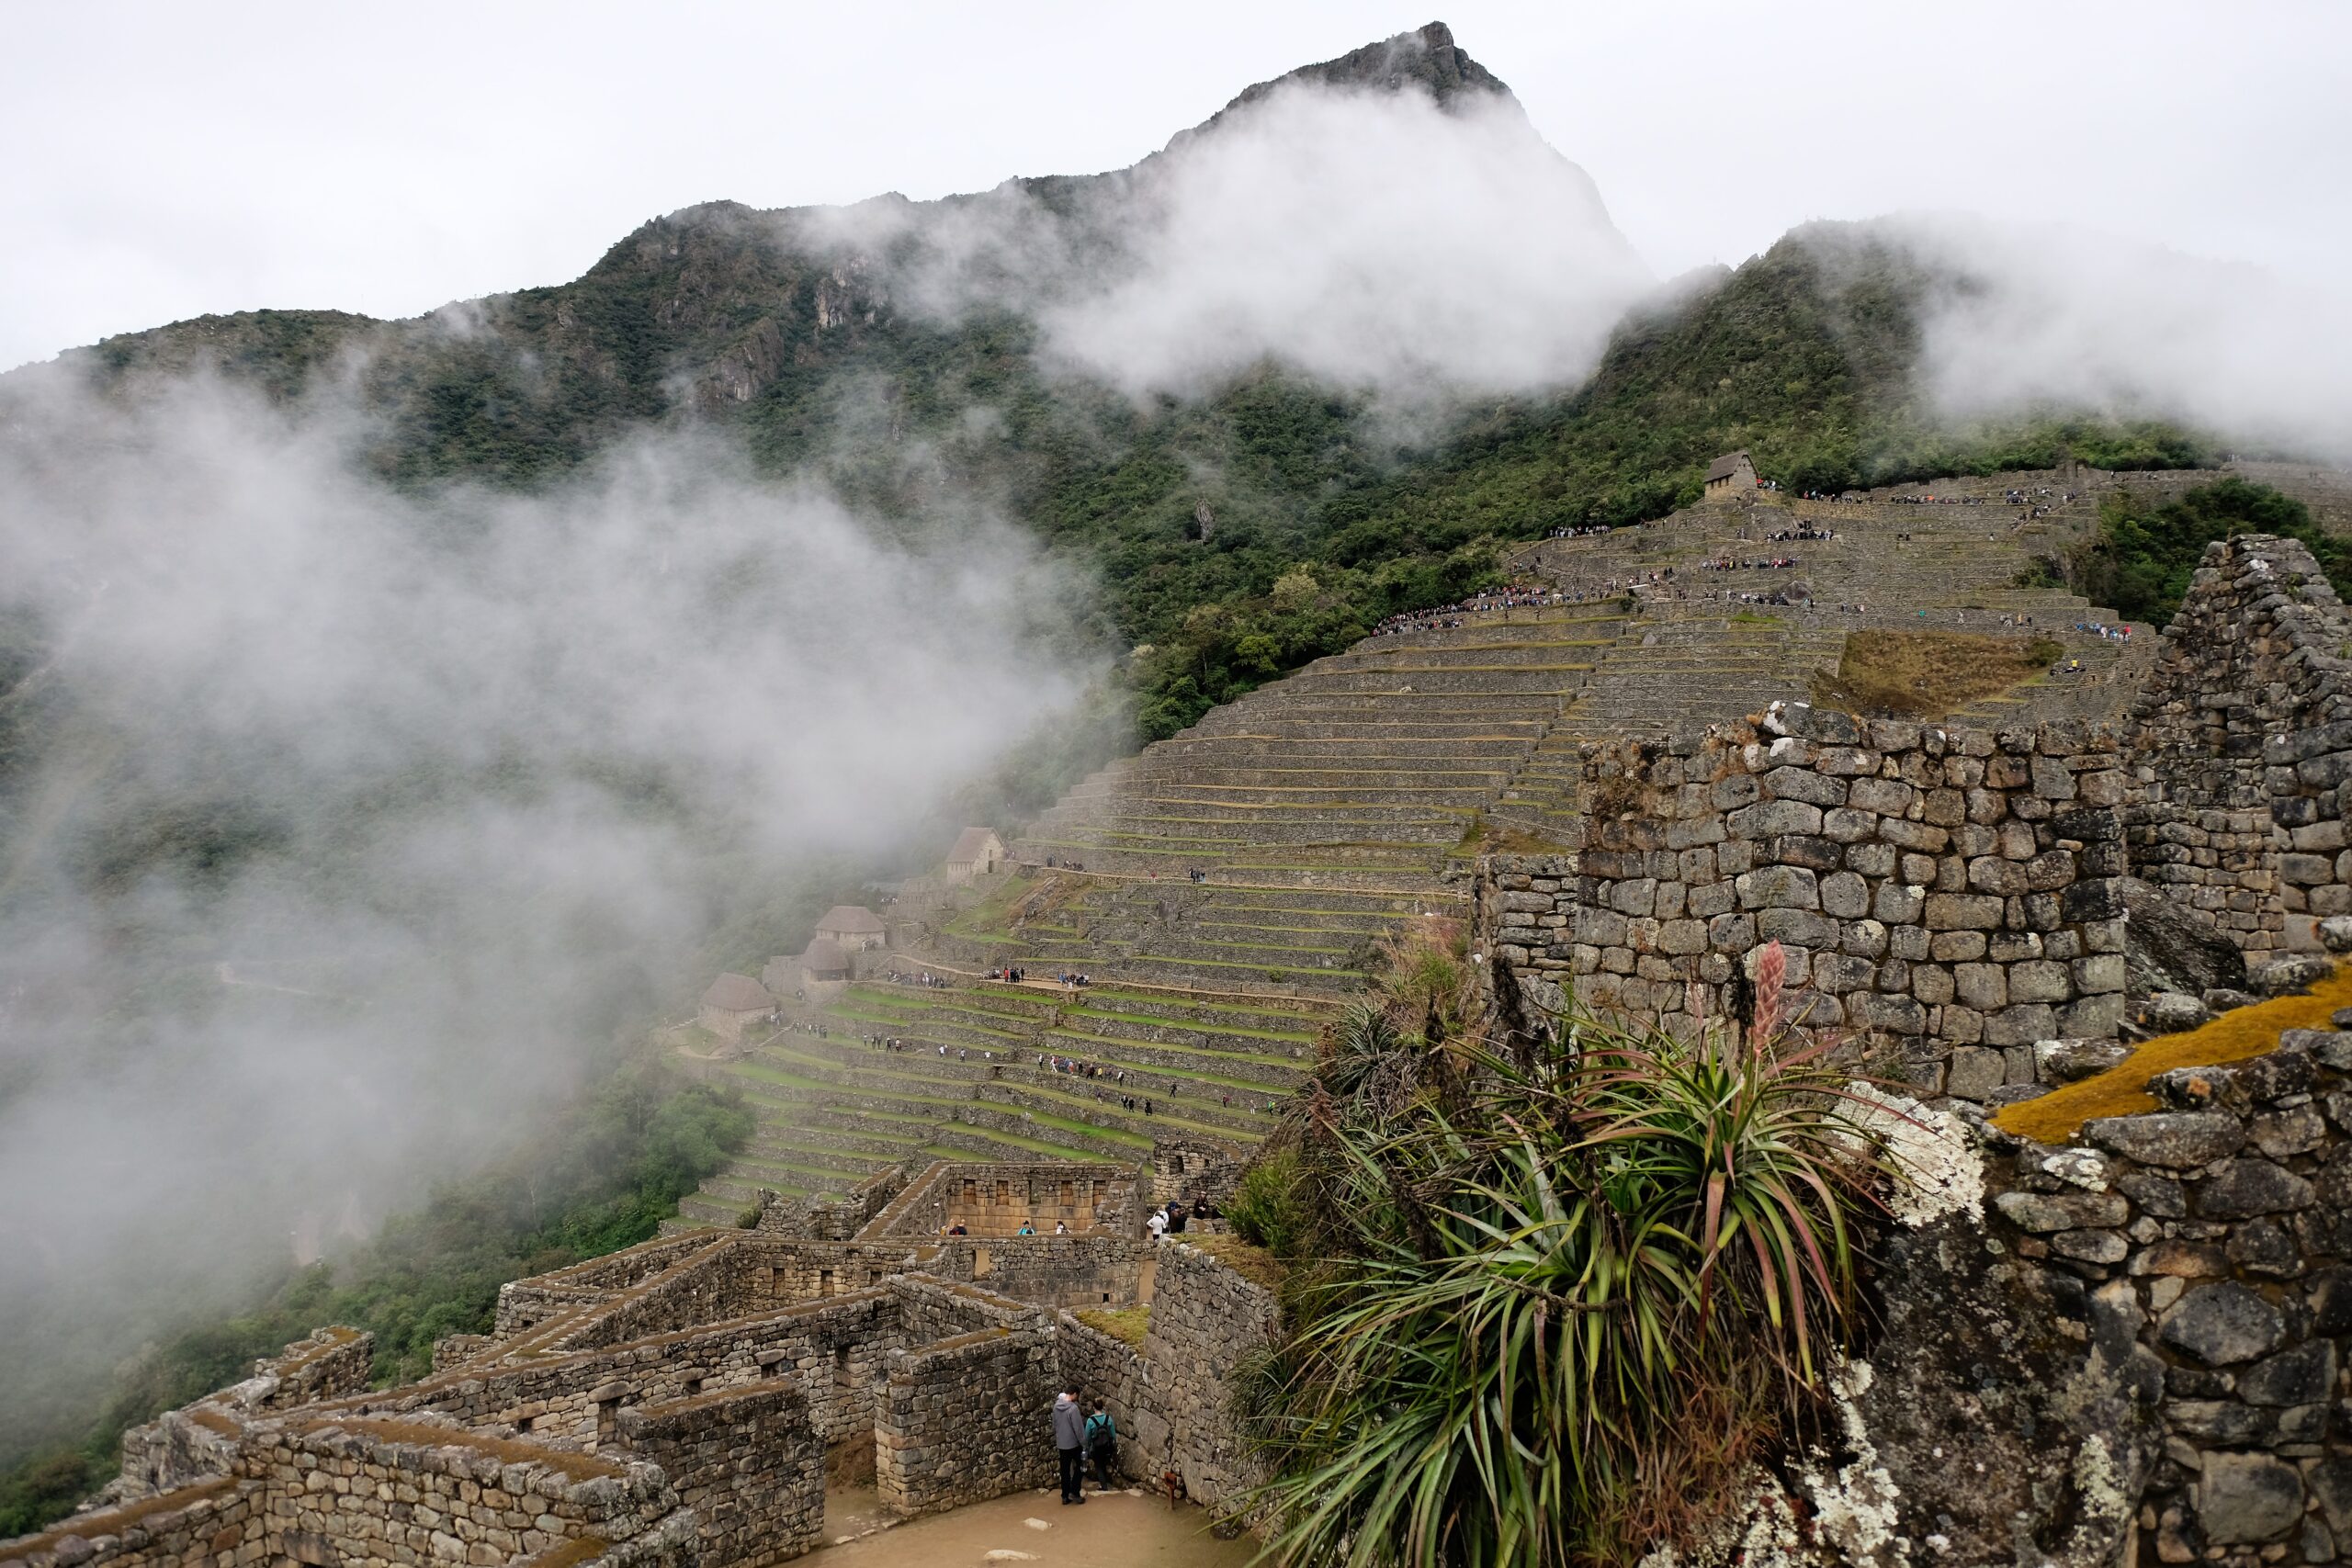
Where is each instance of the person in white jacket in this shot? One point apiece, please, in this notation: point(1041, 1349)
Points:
point(1158, 1223)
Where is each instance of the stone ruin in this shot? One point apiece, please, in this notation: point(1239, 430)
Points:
point(677, 1403)
point(2133, 1347)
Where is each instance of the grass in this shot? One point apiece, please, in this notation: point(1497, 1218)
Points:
point(1927, 674)
point(2122, 1091)
point(1126, 1325)
point(1253, 1263)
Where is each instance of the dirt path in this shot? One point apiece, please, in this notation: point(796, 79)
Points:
point(1113, 1530)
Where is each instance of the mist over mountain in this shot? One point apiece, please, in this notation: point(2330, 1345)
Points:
point(393, 715)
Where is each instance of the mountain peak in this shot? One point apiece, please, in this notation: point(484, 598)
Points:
point(1426, 58)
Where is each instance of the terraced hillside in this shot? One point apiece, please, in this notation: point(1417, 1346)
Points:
point(1225, 889)
point(961, 1077)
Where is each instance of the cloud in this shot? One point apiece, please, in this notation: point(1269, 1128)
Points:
point(2050, 312)
point(343, 829)
point(1369, 239)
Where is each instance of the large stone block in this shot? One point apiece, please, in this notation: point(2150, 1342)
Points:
point(2222, 1325)
point(2179, 1140)
point(1772, 817)
point(2040, 980)
point(2243, 1498)
point(1779, 888)
point(1962, 911)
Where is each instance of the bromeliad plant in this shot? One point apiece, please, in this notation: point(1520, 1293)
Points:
point(1552, 1316)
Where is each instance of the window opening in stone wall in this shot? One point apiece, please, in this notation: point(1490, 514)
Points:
point(522, 1423)
point(1069, 1194)
point(824, 1281)
point(971, 1190)
point(1004, 1191)
point(689, 1387)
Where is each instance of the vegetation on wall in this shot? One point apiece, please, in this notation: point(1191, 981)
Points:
point(2144, 553)
point(599, 1177)
point(1544, 1306)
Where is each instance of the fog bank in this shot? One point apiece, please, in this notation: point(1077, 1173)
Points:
point(343, 829)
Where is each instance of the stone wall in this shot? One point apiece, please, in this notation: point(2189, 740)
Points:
point(373, 1494)
point(836, 1349)
point(2241, 747)
point(1952, 889)
point(965, 1419)
point(820, 1218)
point(1185, 1170)
point(751, 1465)
point(996, 1199)
point(2215, 1236)
point(1206, 1323)
point(1100, 1367)
point(331, 1363)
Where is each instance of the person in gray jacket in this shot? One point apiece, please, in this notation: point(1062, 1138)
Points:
point(1069, 1440)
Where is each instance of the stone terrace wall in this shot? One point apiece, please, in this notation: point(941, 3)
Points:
point(1206, 1322)
point(2241, 747)
point(1952, 889)
point(2215, 1238)
point(751, 1465)
point(965, 1419)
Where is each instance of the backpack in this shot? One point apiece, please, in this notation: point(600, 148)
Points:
point(1101, 1438)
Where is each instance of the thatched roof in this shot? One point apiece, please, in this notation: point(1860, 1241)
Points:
point(737, 993)
point(824, 957)
point(1725, 465)
point(971, 844)
point(850, 919)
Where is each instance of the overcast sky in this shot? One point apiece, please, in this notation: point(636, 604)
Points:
point(165, 160)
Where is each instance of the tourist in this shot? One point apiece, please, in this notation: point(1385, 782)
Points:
point(1158, 1223)
point(1069, 1439)
point(1027, 1229)
point(1101, 1445)
point(1061, 1227)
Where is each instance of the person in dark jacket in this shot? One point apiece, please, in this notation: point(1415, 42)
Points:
point(1101, 1445)
point(1069, 1441)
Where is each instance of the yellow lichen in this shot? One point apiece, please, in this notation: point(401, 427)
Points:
point(2122, 1089)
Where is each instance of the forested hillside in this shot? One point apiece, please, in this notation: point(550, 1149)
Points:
point(1186, 512)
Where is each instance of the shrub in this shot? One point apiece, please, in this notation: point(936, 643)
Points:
point(1548, 1310)
point(1264, 1208)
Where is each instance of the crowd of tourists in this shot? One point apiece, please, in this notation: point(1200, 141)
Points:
point(1763, 563)
point(1802, 531)
point(1513, 597)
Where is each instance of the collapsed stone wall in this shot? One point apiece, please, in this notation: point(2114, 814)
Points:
point(749, 1464)
point(2241, 748)
point(1954, 890)
point(2215, 1236)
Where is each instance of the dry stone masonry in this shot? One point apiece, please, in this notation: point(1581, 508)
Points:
point(676, 1402)
point(2215, 1240)
point(2242, 748)
point(1950, 890)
